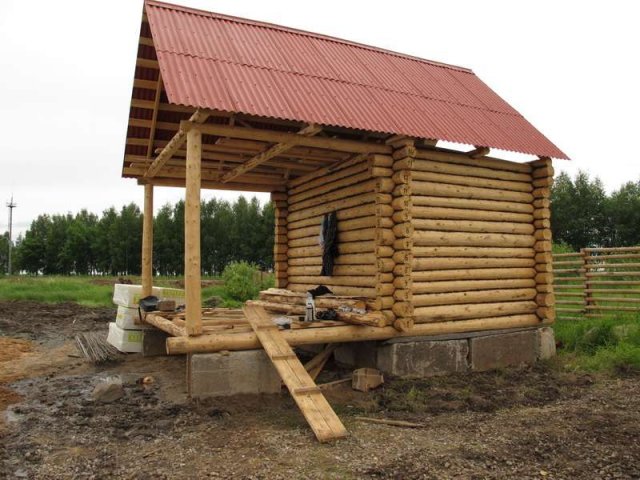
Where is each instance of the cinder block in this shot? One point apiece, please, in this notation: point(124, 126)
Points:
point(232, 373)
point(546, 343)
point(424, 358)
point(356, 354)
point(508, 349)
point(154, 343)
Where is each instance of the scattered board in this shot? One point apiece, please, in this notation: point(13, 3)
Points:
point(316, 410)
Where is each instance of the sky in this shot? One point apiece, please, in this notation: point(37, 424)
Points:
point(572, 68)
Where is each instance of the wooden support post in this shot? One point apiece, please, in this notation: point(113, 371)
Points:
point(280, 245)
point(147, 242)
point(192, 234)
point(588, 299)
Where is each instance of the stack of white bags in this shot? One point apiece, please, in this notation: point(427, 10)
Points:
point(127, 332)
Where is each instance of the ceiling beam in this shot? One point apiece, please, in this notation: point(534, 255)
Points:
point(265, 156)
point(175, 143)
point(271, 136)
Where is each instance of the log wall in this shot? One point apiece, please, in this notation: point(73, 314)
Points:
point(478, 250)
point(427, 236)
point(359, 190)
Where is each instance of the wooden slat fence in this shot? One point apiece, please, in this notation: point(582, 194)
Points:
point(597, 282)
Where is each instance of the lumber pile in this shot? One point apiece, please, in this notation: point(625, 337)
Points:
point(472, 232)
point(348, 309)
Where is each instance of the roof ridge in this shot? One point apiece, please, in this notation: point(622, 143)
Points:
point(296, 31)
point(348, 82)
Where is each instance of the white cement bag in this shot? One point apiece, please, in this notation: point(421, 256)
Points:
point(130, 295)
point(129, 319)
point(127, 341)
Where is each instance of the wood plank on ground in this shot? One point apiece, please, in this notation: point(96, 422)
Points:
point(316, 410)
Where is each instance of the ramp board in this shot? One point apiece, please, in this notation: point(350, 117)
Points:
point(316, 410)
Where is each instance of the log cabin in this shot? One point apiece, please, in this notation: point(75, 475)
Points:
point(435, 239)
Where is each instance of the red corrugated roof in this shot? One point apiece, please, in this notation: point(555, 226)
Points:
point(231, 64)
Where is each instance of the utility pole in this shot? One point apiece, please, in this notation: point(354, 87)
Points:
point(10, 205)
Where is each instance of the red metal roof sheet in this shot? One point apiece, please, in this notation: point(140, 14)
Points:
point(215, 61)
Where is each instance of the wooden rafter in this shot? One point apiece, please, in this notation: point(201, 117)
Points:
point(154, 117)
point(271, 136)
point(268, 154)
point(175, 143)
point(479, 152)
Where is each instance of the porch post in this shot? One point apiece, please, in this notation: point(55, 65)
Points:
point(193, 300)
point(147, 242)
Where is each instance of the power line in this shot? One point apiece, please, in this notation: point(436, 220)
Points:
point(10, 205)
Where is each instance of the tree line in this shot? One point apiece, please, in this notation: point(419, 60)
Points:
point(584, 215)
point(110, 244)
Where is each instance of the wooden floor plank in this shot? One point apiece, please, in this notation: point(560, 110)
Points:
point(314, 406)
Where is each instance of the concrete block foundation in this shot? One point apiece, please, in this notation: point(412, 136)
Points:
point(446, 354)
point(424, 359)
point(232, 373)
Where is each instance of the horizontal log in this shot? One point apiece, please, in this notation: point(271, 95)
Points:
point(459, 191)
point(591, 266)
point(470, 285)
point(369, 186)
point(422, 238)
point(334, 171)
point(543, 234)
point(541, 214)
point(349, 333)
point(484, 162)
point(480, 310)
point(344, 281)
point(614, 283)
point(421, 165)
point(480, 252)
point(358, 212)
point(380, 172)
point(478, 296)
point(343, 249)
point(417, 212)
point(379, 160)
point(613, 274)
point(343, 260)
point(546, 313)
point(275, 295)
point(612, 308)
point(612, 249)
point(617, 291)
point(613, 299)
point(501, 185)
point(606, 257)
point(164, 325)
point(369, 292)
point(474, 226)
point(472, 274)
point(470, 204)
point(453, 263)
point(343, 226)
point(331, 206)
point(374, 319)
point(331, 186)
point(338, 270)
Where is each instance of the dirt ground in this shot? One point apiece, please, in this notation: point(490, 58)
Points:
point(536, 422)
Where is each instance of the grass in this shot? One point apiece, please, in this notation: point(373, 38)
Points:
point(95, 291)
point(55, 289)
point(610, 344)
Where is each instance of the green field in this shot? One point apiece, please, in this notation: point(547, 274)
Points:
point(92, 291)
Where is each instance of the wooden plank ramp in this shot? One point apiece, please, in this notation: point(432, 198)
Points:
point(316, 410)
